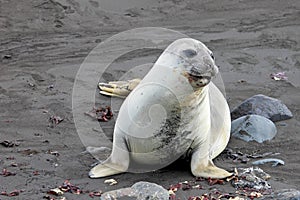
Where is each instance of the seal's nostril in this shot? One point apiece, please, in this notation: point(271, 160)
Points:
point(212, 56)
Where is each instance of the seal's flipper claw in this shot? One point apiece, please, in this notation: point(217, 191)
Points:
point(210, 171)
point(111, 94)
point(114, 91)
point(107, 169)
point(118, 88)
point(106, 85)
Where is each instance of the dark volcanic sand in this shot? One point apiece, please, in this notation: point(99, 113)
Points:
point(48, 40)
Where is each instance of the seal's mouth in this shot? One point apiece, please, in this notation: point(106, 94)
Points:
point(197, 77)
point(198, 80)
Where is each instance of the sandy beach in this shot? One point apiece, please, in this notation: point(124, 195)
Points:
point(44, 42)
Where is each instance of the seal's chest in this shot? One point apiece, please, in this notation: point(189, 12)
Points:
point(174, 135)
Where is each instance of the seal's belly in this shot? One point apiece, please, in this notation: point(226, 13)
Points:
point(159, 149)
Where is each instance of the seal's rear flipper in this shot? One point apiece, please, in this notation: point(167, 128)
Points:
point(107, 169)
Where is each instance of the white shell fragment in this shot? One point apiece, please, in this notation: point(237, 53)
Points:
point(111, 181)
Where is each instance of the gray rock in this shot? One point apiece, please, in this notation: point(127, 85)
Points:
point(139, 191)
point(268, 107)
point(253, 128)
point(150, 191)
point(287, 194)
point(123, 193)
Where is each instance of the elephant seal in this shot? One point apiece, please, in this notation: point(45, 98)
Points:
point(173, 110)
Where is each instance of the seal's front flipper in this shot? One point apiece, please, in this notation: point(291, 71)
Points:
point(117, 163)
point(211, 171)
point(106, 169)
point(204, 167)
point(118, 88)
point(103, 170)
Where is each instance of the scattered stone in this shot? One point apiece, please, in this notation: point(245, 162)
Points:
point(55, 153)
point(98, 40)
point(236, 156)
point(31, 84)
point(287, 194)
point(253, 128)
point(140, 191)
point(8, 56)
point(111, 181)
point(45, 111)
point(241, 157)
point(252, 178)
point(7, 143)
point(242, 81)
point(268, 107)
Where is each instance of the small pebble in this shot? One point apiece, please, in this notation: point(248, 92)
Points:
point(7, 56)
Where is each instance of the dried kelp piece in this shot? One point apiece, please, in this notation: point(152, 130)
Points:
point(54, 119)
point(5, 173)
point(212, 181)
point(95, 194)
point(12, 193)
point(68, 187)
point(279, 76)
point(101, 114)
point(28, 152)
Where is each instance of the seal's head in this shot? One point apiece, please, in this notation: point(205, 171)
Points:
point(195, 61)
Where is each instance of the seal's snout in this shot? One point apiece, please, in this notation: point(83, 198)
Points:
point(201, 70)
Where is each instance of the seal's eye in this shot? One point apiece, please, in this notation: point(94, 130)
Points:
point(212, 56)
point(189, 53)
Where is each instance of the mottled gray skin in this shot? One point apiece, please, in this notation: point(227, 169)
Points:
point(175, 108)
